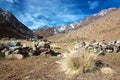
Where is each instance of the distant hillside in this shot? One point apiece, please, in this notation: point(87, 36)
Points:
point(107, 27)
point(84, 22)
point(76, 25)
point(45, 31)
point(10, 27)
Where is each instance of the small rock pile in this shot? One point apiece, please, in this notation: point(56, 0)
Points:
point(15, 50)
point(101, 47)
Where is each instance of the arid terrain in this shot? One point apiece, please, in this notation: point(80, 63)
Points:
point(47, 67)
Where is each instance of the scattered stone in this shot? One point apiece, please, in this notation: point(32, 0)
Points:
point(7, 53)
point(101, 53)
point(11, 44)
point(115, 49)
point(109, 51)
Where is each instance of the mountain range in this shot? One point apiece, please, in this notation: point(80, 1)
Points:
point(105, 28)
point(75, 25)
point(11, 27)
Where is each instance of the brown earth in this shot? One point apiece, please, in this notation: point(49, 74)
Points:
point(45, 68)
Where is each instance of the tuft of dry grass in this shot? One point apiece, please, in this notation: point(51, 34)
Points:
point(77, 62)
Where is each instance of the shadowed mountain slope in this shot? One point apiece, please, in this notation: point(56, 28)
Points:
point(10, 27)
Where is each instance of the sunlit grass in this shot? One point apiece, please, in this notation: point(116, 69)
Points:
point(78, 62)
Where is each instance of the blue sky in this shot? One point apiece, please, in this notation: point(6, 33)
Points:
point(39, 13)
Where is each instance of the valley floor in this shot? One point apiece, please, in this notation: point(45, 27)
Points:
point(47, 68)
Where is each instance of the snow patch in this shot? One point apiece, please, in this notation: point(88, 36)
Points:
point(72, 26)
point(62, 28)
point(103, 13)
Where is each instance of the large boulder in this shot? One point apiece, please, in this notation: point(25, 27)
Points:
point(14, 56)
point(41, 43)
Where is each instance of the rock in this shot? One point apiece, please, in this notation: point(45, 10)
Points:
point(82, 44)
point(109, 51)
point(101, 52)
point(99, 64)
point(18, 56)
point(34, 48)
point(113, 42)
point(118, 43)
point(4, 50)
point(11, 44)
point(7, 53)
point(32, 52)
point(95, 50)
point(42, 43)
point(95, 44)
point(115, 49)
point(107, 70)
point(14, 48)
point(24, 51)
point(14, 56)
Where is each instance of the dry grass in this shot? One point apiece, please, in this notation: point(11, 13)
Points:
point(78, 62)
point(46, 68)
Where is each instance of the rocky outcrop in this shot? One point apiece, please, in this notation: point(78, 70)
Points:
point(102, 47)
point(14, 50)
point(11, 27)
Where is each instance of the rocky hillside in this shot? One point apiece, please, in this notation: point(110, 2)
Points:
point(76, 25)
point(107, 27)
point(10, 27)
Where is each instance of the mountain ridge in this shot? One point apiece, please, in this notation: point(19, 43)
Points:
point(11, 27)
point(106, 28)
point(70, 27)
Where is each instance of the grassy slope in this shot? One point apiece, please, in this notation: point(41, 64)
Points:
point(107, 28)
